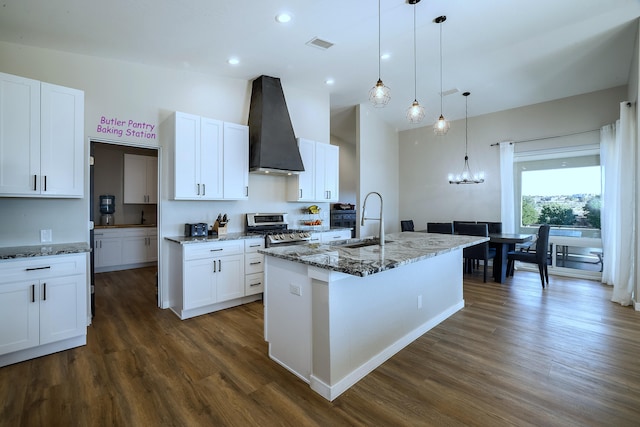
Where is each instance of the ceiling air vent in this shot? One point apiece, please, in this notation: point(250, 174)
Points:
point(319, 43)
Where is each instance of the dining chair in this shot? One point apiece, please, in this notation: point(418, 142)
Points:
point(539, 257)
point(494, 227)
point(457, 223)
point(406, 225)
point(440, 227)
point(481, 251)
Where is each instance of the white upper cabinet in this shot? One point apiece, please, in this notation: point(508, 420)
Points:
point(211, 158)
point(236, 161)
point(140, 179)
point(41, 139)
point(327, 172)
point(319, 181)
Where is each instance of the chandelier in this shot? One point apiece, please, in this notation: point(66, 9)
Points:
point(466, 177)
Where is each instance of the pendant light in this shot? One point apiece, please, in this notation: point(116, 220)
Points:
point(415, 113)
point(466, 177)
point(442, 126)
point(379, 95)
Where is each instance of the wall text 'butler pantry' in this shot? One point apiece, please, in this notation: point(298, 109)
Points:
point(130, 128)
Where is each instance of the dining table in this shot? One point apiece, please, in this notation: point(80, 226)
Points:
point(505, 242)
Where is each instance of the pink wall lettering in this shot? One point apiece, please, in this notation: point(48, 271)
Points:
point(128, 128)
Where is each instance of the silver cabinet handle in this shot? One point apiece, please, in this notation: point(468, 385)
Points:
point(198, 189)
point(255, 263)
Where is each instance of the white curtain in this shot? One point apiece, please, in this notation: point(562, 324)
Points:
point(507, 203)
point(618, 158)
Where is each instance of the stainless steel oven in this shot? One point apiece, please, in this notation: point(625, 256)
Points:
point(275, 228)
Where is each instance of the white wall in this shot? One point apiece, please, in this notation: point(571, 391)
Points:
point(377, 160)
point(426, 159)
point(128, 91)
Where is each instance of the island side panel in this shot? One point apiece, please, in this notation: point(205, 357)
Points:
point(359, 322)
point(287, 308)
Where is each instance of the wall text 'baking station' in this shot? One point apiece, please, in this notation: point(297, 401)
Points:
point(130, 128)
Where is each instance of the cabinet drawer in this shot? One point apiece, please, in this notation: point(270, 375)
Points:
point(42, 267)
point(216, 249)
point(253, 263)
point(254, 283)
point(253, 245)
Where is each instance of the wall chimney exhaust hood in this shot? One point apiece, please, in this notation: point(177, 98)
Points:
point(273, 147)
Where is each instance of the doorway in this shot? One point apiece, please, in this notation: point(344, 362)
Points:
point(125, 236)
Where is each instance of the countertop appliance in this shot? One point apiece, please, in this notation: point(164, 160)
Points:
point(107, 209)
point(196, 230)
point(275, 228)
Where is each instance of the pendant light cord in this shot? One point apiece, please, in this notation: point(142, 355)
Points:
point(379, 42)
point(466, 126)
point(440, 68)
point(415, 59)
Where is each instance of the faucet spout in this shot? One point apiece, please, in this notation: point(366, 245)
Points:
point(380, 218)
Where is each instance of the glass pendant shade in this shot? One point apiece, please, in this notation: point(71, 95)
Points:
point(415, 113)
point(442, 126)
point(379, 95)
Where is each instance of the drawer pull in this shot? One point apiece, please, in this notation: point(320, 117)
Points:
point(216, 250)
point(255, 263)
point(254, 246)
point(38, 268)
point(255, 284)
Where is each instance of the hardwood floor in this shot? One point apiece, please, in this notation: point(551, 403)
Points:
point(515, 355)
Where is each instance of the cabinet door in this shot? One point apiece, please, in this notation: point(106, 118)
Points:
point(134, 249)
point(61, 143)
point(152, 247)
point(327, 170)
point(62, 308)
point(135, 178)
point(199, 283)
point(301, 187)
point(236, 161)
point(211, 158)
point(152, 180)
point(108, 252)
point(186, 156)
point(230, 277)
point(19, 135)
point(18, 316)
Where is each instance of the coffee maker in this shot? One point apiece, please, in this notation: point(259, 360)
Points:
point(107, 209)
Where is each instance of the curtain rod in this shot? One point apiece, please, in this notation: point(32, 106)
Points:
point(547, 137)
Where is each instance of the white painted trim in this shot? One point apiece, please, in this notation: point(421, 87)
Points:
point(332, 392)
point(187, 314)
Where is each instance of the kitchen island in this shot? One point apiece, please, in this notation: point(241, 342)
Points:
point(334, 313)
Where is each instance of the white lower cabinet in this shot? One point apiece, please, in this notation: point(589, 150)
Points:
point(43, 306)
point(124, 248)
point(210, 276)
point(335, 235)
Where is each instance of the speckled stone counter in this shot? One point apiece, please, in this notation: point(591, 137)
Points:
point(43, 250)
point(400, 249)
point(212, 238)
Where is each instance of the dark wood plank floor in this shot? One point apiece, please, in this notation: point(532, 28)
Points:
point(515, 355)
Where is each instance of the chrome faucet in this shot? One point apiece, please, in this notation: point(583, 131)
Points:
point(380, 218)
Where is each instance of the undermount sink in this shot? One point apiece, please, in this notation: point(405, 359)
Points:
point(363, 244)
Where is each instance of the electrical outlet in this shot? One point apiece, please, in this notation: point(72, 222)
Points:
point(419, 302)
point(45, 236)
point(295, 289)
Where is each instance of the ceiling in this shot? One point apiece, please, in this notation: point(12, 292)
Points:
point(506, 53)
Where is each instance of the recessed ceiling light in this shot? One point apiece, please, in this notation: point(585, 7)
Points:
point(283, 17)
point(385, 56)
point(233, 61)
point(329, 81)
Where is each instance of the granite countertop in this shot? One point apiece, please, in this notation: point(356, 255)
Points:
point(125, 226)
point(43, 250)
point(212, 238)
point(400, 249)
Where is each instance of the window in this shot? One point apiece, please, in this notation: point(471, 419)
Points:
point(562, 187)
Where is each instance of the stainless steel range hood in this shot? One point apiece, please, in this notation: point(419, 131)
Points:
point(273, 146)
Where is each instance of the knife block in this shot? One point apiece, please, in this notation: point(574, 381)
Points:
point(220, 227)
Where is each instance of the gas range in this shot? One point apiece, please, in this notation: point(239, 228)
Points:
point(275, 228)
